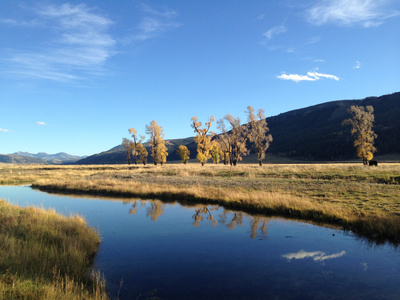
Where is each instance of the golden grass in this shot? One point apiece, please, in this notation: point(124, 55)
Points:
point(365, 199)
point(44, 255)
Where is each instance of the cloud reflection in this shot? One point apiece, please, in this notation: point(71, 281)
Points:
point(316, 255)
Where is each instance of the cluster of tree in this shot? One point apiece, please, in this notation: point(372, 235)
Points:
point(156, 141)
point(232, 144)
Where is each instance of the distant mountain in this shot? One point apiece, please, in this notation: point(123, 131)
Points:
point(39, 158)
point(314, 133)
point(17, 159)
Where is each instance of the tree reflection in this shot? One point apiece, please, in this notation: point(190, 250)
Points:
point(227, 218)
point(199, 215)
point(259, 223)
point(155, 210)
point(135, 207)
point(237, 219)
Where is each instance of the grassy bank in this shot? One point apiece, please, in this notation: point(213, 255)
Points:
point(44, 255)
point(363, 199)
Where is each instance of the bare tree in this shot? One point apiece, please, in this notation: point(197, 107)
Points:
point(137, 141)
point(127, 143)
point(259, 130)
point(237, 136)
point(362, 121)
point(224, 141)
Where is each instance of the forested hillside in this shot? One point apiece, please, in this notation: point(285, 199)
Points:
point(314, 133)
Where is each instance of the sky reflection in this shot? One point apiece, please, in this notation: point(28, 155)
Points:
point(316, 255)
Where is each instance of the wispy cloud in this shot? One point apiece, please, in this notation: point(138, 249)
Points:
point(155, 23)
point(78, 45)
point(311, 76)
point(275, 31)
point(367, 13)
point(317, 256)
point(40, 123)
point(4, 130)
point(357, 65)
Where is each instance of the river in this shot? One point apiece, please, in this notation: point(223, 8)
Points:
point(156, 250)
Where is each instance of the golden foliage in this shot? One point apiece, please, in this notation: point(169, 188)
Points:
point(203, 139)
point(183, 153)
point(156, 141)
point(362, 121)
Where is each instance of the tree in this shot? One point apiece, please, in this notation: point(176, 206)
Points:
point(203, 139)
point(127, 143)
point(156, 141)
point(183, 153)
point(137, 141)
point(215, 152)
point(225, 145)
point(237, 137)
point(143, 154)
point(259, 130)
point(362, 121)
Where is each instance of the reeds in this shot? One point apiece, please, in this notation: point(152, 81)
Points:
point(44, 255)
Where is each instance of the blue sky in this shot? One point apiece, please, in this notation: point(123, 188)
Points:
point(75, 76)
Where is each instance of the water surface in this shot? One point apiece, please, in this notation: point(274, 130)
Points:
point(153, 249)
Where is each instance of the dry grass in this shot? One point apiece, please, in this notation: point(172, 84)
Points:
point(365, 199)
point(44, 255)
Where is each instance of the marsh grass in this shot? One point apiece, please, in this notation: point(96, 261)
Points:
point(364, 199)
point(44, 255)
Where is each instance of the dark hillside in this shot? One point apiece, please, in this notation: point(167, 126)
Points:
point(316, 133)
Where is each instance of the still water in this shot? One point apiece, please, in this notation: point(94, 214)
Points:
point(156, 250)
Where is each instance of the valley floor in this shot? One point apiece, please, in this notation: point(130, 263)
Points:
point(358, 198)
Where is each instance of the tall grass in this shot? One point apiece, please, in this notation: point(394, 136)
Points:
point(44, 255)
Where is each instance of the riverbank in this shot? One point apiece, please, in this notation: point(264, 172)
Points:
point(358, 198)
point(44, 255)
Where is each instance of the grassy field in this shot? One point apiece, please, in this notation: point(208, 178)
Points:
point(44, 255)
point(363, 199)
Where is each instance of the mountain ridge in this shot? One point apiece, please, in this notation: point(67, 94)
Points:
point(22, 157)
point(313, 133)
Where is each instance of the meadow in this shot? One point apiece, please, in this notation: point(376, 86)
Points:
point(363, 199)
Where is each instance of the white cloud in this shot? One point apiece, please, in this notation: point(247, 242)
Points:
point(155, 23)
point(77, 46)
point(357, 65)
point(41, 123)
point(317, 256)
point(275, 31)
point(319, 60)
point(295, 77)
point(311, 76)
point(367, 13)
point(4, 130)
